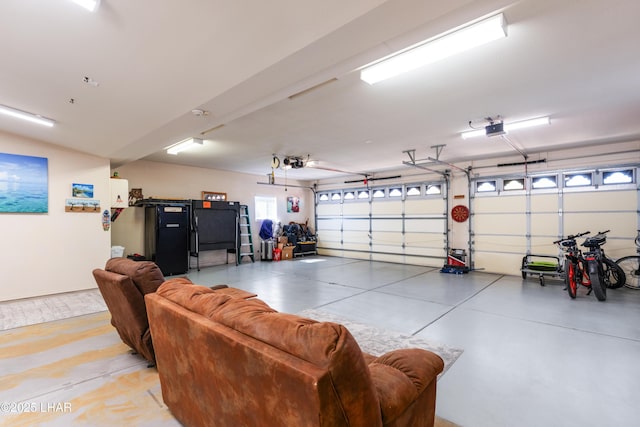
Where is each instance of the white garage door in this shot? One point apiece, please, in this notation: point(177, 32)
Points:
point(402, 224)
point(512, 217)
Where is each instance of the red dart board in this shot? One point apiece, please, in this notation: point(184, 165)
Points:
point(460, 213)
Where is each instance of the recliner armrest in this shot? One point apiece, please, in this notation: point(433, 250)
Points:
point(400, 377)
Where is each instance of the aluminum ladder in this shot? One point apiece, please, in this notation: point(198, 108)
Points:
point(246, 239)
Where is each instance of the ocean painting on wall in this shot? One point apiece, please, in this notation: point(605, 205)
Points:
point(24, 186)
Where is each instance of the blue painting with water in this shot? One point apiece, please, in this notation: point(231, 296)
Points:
point(23, 184)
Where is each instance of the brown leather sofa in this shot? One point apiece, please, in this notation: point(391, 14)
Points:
point(233, 362)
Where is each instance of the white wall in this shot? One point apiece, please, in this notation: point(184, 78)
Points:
point(168, 181)
point(56, 251)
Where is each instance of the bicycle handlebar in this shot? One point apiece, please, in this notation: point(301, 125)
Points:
point(569, 237)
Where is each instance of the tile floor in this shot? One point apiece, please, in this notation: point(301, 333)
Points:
point(532, 356)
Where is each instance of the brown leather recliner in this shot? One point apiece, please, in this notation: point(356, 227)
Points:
point(123, 284)
point(231, 362)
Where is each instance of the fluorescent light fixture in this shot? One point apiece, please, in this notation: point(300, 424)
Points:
point(30, 117)
point(509, 127)
point(183, 145)
point(433, 50)
point(90, 5)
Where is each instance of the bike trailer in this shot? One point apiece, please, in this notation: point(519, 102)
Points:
point(541, 265)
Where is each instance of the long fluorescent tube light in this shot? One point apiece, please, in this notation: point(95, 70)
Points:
point(90, 5)
point(183, 145)
point(436, 49)
point(30, 117)
point(508, 127)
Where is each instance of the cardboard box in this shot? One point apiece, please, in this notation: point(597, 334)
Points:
point(287, 252)
point(284, 240)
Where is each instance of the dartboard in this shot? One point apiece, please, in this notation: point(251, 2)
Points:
point(460, 213)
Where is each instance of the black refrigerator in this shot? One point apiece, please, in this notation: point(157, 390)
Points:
point(167, 237)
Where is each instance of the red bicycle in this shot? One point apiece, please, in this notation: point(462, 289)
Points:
point(574, 272)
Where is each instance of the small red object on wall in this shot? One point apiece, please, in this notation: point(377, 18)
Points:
point(460, 213)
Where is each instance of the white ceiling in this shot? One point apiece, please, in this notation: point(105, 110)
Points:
point(155, 61)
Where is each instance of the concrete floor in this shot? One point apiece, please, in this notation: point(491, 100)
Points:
point(532, 356)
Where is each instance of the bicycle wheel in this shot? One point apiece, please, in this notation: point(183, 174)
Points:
point(570, 278)
point(597, 280)
point(614, 276)
point(631, 267)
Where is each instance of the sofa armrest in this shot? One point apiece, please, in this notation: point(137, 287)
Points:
point(400, 377)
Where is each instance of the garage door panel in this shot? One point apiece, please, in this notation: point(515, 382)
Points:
point(428, 225)
point(331, 252)
point(427, 262)
point(499, 204)
point(601, 201)
point(516, 244)
point(329, 209)
point(621, 224)
point(501, 224)
point(545, 224)
point(423, 251)
point(355, 209)
point(394, 225)
point(329, 224)
point(355, 236)
point(329, 236)
point(424, 207)
point(394, 249)
point(387, 238)
point(544, 246)
point(424, 239)
point(499, 262)
point(388, 258)
point(356, 255)
point(545, 202)
point(355, 224)
point(386, 207)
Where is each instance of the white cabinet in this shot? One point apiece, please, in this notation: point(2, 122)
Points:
point(119, 193)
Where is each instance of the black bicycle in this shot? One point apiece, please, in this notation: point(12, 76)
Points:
point(603, 272)
point(630, 265)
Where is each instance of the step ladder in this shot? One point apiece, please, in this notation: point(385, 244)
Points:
point(246, 239)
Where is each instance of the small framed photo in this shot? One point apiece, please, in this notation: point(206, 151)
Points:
point(82, 190)
point(212, 196)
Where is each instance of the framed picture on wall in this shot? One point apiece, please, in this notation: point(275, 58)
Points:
point(212, 196)
point(24, 184)
point(293, 204)
point(84, 191)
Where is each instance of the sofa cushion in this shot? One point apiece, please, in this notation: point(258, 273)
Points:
point(145, 275)
point(199, 299)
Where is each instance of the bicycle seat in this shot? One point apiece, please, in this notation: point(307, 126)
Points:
point(595, 241)
point(568, 243)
